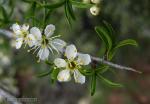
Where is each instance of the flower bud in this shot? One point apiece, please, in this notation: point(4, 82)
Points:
point(95, 10)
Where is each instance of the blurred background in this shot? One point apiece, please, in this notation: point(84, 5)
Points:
point(130, 19)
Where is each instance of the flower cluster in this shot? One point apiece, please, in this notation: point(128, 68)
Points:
point(96, 8)
point(44, 43)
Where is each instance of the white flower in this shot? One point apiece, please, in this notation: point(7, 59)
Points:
point(45, 43)
point(22, 35)
point(94, 10)
point(71, 65)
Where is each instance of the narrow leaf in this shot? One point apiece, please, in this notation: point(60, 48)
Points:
point(80, 4)
point(103, 34)
point(5, 15)
point(109, 82)
point(102, 69)
point(126, 42)
point(44, 74)
point(54, 75)
point(56, 5)
point(93, 84)
point(110, 31)
point(67, 14)
point(70, 10)
point(86, 72)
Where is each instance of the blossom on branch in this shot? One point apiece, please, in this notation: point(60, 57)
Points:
point(71, 65)
point(45, 43)
point(22, 35)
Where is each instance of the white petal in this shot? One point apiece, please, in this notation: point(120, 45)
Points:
point(79, 78)
point(71, 52)
point(43, 53)
point(49, 30)
point(31, 40)
point(64, 75)
point(36, 32)
point(84, 59)
point(19, 42)
point(60, 62)
point(59, 44)
point(25, 27)
point(16, 28)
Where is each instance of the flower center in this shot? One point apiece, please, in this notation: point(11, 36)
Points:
point(45, 41)
point(24, 34)
point(72, 65)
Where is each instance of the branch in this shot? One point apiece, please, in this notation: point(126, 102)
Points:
point(8, 97)
point(114, 65)
point(101, 60)
point(7, 33)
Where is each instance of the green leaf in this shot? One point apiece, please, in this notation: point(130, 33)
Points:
point(48, 14)
point(86, 72)
point(44, 74)
point(119, 45)
point(104, 35)
point(67, 15)
point(110, 31)
point(56, 5)
point(31, 13)
point(111, 54)
point(54, 75)
point(4, 13)
point(109, 82)
point(80, 4)
point(70, 10)
point(93, 84)
point(126, 42)
point(48, 63)
point(102, 69)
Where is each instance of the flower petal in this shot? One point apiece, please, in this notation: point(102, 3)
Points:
point(25, 27)
point(36, 32)
point(19, 42)
point(16, 28)
point(43, 53)
point(79, 78)
point(49, 30)
point(60, 62)
point(71, 52)
point(64, 76)
point(83, 59)
point(59, 44)
point(30, 40)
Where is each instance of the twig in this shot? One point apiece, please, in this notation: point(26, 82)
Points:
point(114, 65)
point(101, 60)
point(7, 33)
point(9, 98)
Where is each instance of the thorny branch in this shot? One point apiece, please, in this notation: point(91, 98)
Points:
point(101, 60)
